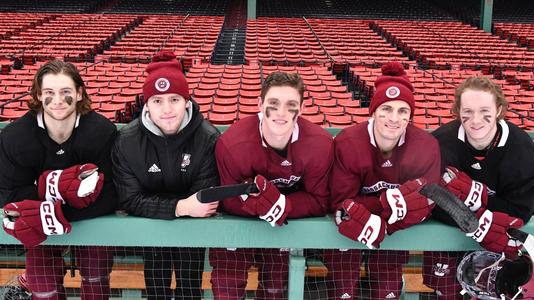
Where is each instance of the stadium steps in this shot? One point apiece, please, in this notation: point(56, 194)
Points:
point(230, 47)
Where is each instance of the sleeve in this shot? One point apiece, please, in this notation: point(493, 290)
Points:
point(106, 202)
point(131, 194)
point(208, 175)
point(432, 172)
point(313, 201)
point(229, 174)
point(345, 177)
point(17, 182)
point(517, 195)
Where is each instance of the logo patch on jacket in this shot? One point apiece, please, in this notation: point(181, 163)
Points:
point(186, 161)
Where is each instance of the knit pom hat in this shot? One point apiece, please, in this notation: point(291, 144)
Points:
point(392, 85)
point(165, 77)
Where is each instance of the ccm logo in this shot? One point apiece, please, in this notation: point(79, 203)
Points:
point(366, 234)
point(399, 204)
point(475, 194)
point(52, 185)
point(48, 217)
point(275, 213)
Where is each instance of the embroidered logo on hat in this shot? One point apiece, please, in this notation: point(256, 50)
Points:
point(162, 84)
point(392, 92)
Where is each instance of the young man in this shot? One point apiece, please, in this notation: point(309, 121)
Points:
point(48, 159)
point(288, 158)
point(488, 163)
point(161, 160)
point(379, 168)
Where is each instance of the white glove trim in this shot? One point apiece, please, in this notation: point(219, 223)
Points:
point(474, 199)
point(398, 205)
point(88, 185)
point(52, 187)
point(370, 231)
point(51, 225)
point(276, 211)
point(484, 224)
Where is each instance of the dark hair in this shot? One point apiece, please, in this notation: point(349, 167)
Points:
point(480, 84)
point(59, 67)
point(283, 79)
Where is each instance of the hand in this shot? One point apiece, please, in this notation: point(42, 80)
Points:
point(492, 232)
point(78, 186)
point(473, 193)
point(32, 221)
point(268, 203)
point(190, 206)
point(354, 221)
point(404, 207)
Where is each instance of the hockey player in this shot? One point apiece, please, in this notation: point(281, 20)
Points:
point(379, 168)
point(49, 160)
point(288, 158)
point(161, 160)
point(489, 164)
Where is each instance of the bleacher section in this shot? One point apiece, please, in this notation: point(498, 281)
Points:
point(57, 6)
point(172, 7)
point(521, 33)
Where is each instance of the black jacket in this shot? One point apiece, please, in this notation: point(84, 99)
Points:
point(154, 171)
point(26, 151)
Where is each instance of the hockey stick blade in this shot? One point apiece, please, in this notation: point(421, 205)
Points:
point(459, 212)
point(219, 193)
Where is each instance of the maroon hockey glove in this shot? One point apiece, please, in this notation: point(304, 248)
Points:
point(473, 193)
point(31, 221)
point(357, 223)
point(492, 232)
point(78, 186)
point(404, 207)
point(268, 203)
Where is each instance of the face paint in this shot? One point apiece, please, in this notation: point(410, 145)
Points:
point(268, 111)
point(48, 100)
point(487, 118)
point(69, 100)
point(465, 119)
point(295, 113)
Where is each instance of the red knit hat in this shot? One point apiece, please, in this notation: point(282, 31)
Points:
point(165, 76)
point(392, 85)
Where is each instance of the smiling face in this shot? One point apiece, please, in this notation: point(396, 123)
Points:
point(479, 116)
point(59, 96)
point(390, 121)
point(167, 111)
point(281, 107)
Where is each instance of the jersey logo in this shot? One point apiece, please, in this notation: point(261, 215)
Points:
point(345, 296)
point(387, 164)
point(285, 163)
point(476, 166)
point(186, 161)
point(60, 152)
point(379, 186)
point(154, 169)
point(441, 269)
point(391, 296)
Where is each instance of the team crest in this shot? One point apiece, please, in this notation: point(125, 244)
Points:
point(186, 161)
point(392, 92)
point(162, 84)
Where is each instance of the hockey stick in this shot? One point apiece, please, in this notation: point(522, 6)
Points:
point(459, 212)
point(219, 193)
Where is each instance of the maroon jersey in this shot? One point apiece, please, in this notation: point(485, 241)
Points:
point(361, 172)
point(302, 176)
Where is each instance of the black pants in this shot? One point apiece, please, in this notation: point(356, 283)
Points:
point(187, 263)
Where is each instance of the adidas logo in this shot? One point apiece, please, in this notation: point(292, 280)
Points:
point(476, 166)
point(285, 163)
point(345, 296)
point(60, 152)
point(391, 296)
point(154, 169)
point(387, 164)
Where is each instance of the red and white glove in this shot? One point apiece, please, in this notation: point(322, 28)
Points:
point(492, 232)
point(31, 221)
point(357, 223)
point(268, 203)
point(473, 193)
point(78, 186)
point(404, 206)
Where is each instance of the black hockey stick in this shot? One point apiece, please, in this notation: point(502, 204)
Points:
point(459, 212)
point(219, 193)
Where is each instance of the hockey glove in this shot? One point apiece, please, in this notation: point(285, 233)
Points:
point(31, 221)
point(268, 203)
point(473, 193)
point(355, 221)
point(78, 186)
point(404, 207)
point(492, 232)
